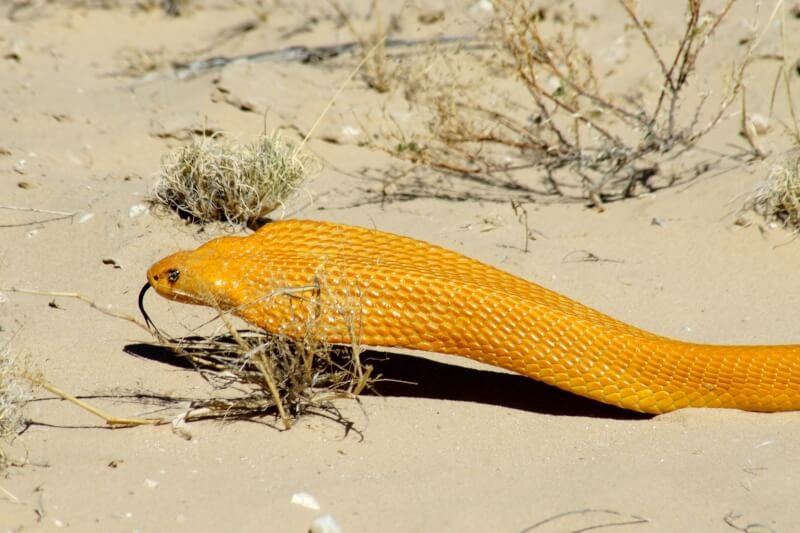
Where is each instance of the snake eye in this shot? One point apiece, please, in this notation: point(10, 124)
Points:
point(173, 274)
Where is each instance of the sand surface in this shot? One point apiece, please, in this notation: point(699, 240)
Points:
point(469, 449)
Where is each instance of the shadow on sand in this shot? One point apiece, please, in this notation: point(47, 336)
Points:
point(412, 376)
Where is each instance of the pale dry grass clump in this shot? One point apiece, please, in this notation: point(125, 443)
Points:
point(14, 392)
point(778, 198)
point(215, 180)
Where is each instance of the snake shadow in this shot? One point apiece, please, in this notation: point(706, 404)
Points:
point(412, 376)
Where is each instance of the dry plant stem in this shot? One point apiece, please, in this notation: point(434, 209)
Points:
point(737, 74)
point(560, 102)
point(80, 297)
point(265, 366)
point(347, 80)
point(785, 74)
point(9, 495)
point(60, 215)
point(627, 519)
point(263, 363)
point(37, 210)
point(113, 421)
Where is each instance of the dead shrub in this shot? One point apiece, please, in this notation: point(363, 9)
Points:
point(537, 101)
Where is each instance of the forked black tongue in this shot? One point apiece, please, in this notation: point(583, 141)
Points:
point(147, 320)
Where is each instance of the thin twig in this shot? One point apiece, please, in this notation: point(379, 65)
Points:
point(339, 91)
point(80, 297)
point(110, 420)
point(60, 215)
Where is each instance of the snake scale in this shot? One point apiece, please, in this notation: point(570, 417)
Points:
point(400, 292)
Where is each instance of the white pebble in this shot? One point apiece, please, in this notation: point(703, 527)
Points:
point(760, 123)
point(150, 483)
point(304, 499)
point(86, 217)
point(482, 7)
point(137, 210)
point(324, 524)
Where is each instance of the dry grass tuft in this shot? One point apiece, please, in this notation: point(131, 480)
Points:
point(215, 180)
point(778, 198)
point(538, 100)
point(289, 374)
point(14, 392)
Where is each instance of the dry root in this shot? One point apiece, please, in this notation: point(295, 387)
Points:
point(213, 180)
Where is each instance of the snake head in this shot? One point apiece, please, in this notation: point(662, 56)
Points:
point(201, 276)
point(181, 278)
point(171, 278)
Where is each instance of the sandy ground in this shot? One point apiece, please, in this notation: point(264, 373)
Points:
point(470, 448)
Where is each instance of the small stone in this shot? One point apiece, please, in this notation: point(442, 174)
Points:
point(324, 524)
point(760, 123)
point(304, 499)
point(137, 210)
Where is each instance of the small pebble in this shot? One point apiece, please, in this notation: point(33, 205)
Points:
point(482, 7)
point(760, 123)
point(304, 499)
point(137, 210)
point(324, 524)
point(150, 483)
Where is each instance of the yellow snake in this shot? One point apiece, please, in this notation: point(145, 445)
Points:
point(395, 291)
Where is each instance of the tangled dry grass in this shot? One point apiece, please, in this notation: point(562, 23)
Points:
point(778, 198)
point(537, 101)
point(215, 180)
point(291, 373)
point(14, 392)
point(255, 375)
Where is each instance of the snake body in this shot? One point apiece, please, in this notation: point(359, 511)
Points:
point(394, 291)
